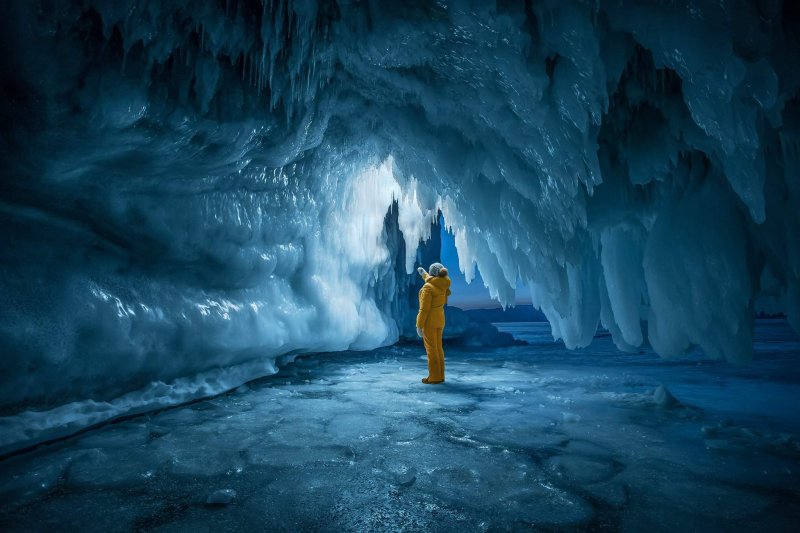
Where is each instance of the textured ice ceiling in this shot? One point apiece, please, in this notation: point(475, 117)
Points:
point(192, 188)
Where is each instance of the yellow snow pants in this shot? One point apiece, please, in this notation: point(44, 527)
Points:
point(432, 338)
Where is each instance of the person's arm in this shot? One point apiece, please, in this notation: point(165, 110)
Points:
point(425, 298)
point(421, 271)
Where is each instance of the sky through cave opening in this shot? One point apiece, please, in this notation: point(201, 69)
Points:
point(473, 294)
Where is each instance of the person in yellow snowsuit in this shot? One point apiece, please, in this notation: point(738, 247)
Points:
point(430, 318)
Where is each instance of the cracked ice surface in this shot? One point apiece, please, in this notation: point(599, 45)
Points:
point(517, 437)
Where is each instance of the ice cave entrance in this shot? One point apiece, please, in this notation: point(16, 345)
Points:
point(374, 193)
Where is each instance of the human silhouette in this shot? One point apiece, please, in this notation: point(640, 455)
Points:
point(430, 318)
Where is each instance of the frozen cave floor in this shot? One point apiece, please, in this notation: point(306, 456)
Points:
point(517, 438)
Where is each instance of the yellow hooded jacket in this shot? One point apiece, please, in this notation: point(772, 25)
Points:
point(432, 299)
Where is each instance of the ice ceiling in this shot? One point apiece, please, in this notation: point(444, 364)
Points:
point(191, 189)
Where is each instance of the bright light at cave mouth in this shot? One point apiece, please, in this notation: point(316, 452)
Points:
point(194, 195)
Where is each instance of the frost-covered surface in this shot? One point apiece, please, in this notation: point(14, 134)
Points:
point(517, 438)
point(191, 188)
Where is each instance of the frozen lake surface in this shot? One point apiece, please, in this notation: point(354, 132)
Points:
point(517, 438)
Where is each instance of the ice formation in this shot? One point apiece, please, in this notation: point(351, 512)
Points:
point(191, 190)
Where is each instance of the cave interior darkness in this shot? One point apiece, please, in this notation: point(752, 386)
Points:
point(213, 212)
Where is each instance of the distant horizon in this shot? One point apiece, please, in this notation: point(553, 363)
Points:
point(496, 305)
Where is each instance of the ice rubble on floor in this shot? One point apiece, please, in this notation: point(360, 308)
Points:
point(353, 441)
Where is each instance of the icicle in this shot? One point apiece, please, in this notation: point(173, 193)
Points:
point(262, 67)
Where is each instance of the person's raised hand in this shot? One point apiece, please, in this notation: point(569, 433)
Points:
point(419, 332)
point(421, 271)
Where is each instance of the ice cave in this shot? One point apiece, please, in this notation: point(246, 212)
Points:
point(224, 222)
